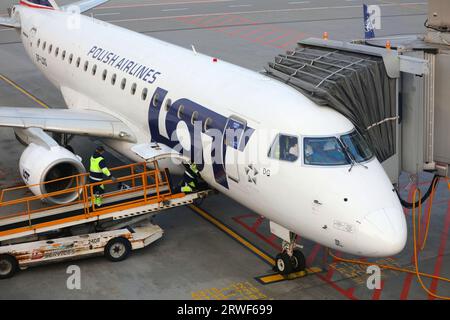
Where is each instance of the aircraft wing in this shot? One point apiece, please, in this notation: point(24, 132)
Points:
point(84, 5)
point(79, 122)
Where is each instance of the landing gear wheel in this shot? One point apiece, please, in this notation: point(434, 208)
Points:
point(298, 261)
point(283, 263)
point(117, 249)
point(8, 266)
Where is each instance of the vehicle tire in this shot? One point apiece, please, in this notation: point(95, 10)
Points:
point(298, 261)
point(8, 266)
point(283, 263)
point(117, 249)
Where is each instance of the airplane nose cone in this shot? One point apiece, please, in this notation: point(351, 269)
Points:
point(387, 232)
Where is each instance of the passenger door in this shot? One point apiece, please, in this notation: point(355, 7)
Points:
point(233, 138)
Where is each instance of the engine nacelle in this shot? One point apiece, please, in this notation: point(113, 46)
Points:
point(39, 164)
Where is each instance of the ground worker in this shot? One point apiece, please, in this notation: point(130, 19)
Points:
point(98, 169)
point(190, 178)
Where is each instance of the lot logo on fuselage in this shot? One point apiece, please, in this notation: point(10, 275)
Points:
point(198, 120)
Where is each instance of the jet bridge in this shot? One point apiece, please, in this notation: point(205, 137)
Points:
point(394, 90)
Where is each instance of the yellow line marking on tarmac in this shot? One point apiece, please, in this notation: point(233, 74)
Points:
point(233, 234)
point(23, 91)
point(272, 278)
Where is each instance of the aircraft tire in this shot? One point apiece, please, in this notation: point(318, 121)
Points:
point(283, 263)
point(298, 261)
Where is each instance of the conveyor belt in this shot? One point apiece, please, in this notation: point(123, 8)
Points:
point(68, 212)
point(111, 210)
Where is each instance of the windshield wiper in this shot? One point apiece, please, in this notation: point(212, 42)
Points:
point(352, 158)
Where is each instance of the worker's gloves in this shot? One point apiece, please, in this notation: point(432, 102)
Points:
point(114, 179)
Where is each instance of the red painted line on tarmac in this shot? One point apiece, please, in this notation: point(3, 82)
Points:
point(377, 292)
point(257, 224)
point(313, 254)
point(331, 269)
point(259, 235)
point(350, 291)
point(209, 22)
point(346, 293)
point(280, 37)
point(427, 182)
point(294, 41)
point(252, 32)
point(251, 215)
point(218, 21)
point(265, 35)
point(196, 21)
point(438, 265)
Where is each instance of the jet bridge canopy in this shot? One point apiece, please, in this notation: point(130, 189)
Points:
point(355, 84)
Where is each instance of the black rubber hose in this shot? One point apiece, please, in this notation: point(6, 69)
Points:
point(409, 205)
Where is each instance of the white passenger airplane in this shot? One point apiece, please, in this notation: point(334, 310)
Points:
point(136, 92)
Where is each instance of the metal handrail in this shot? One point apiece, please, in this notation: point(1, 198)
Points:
point(86, 194)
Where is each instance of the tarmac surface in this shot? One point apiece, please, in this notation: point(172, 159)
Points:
point(219, 249)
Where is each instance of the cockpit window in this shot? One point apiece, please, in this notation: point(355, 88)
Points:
point(324, 152)
point(357, 146)
point(285, 148)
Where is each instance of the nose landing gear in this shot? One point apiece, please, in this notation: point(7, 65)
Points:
point(291, 259)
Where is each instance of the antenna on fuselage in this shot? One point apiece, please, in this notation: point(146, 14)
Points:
point(193, 49)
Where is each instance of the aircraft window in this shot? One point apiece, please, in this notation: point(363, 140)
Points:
point(133, 89)
point(63, 55)
point(56, 52)
point(113, 79)
point(144, 94)
point(168, 104)
point(284, 148)
point(194, 117)
point(234, 130)
point(357, 146)
point(105, 74)
point(86, 65)
point(324, 152)
point(155, 100)
point(50, 48)
point(70, 58)
point(39, 43)
point(123, 84)
point(180, 111)
point(44, 45)
point(78, 62)
point(207, 124)
point(94, 70)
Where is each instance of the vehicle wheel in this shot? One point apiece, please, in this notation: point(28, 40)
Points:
point(8, 266)
point(283, 263)
point(298, 261)
point(118, 249)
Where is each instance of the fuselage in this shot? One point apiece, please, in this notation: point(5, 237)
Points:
point(170, 95)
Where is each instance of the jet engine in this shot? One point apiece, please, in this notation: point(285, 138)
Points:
point(41, 164)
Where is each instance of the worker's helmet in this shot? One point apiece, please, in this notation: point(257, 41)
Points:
point(100, 149)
